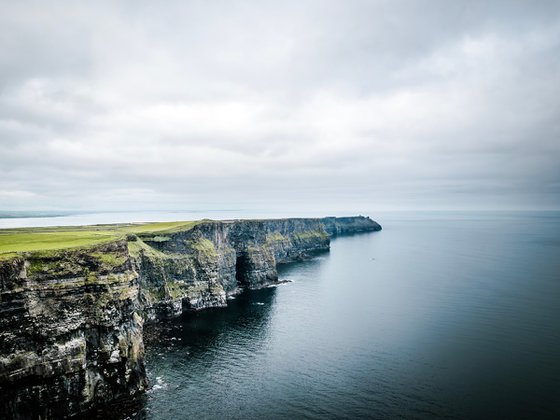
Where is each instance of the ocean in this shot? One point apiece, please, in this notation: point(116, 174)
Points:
point(439, 315)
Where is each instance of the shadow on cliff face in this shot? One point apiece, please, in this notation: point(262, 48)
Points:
point(248, 313)
point(242, 267)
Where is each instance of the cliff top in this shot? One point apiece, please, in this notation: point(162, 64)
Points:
point(13, 241)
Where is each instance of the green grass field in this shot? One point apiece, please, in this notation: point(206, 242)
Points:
point(13, 241)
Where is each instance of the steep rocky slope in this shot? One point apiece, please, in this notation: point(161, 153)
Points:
point(201, 267)
point(70, 331)
point(71, 320)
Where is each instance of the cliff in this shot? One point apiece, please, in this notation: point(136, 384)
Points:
point(335, 226)
point(71, 320)
point(199, 268)
point(70, 331)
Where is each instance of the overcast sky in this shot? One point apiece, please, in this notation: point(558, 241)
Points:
point(299, 105)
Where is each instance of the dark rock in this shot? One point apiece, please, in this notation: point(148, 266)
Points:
point(349, 225)
point(70, 332)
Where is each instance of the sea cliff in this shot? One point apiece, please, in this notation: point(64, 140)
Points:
point(71, 320)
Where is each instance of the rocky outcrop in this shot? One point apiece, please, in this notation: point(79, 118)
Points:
point(70, 331)
point(71, 321)
point(335, 226)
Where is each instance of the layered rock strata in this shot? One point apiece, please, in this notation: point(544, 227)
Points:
point(70, 331)
point(71, 320)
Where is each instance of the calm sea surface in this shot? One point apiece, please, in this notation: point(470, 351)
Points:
point(437, 316)
point(440, 315)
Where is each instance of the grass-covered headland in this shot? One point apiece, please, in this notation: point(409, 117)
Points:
point(14, 241)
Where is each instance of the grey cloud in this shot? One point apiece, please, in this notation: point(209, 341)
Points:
point(317, 105)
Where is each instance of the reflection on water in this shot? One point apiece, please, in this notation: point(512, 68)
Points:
point(437, 316)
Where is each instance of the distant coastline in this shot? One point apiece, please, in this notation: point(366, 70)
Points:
point(29, 214)
point(15, 219)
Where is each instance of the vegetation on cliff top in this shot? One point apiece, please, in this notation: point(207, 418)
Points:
point(311, 234)
point(205, 247)
point(13, 241)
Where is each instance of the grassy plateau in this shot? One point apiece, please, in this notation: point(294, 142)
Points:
point(14, 241)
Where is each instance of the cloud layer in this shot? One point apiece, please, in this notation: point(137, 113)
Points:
point(312, 105)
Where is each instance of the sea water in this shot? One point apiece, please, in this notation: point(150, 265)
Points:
point(439, 315)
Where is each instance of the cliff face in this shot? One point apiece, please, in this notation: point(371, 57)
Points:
point(71, 321)
point(201, 267)
point(335, 226)
point(70, 331)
